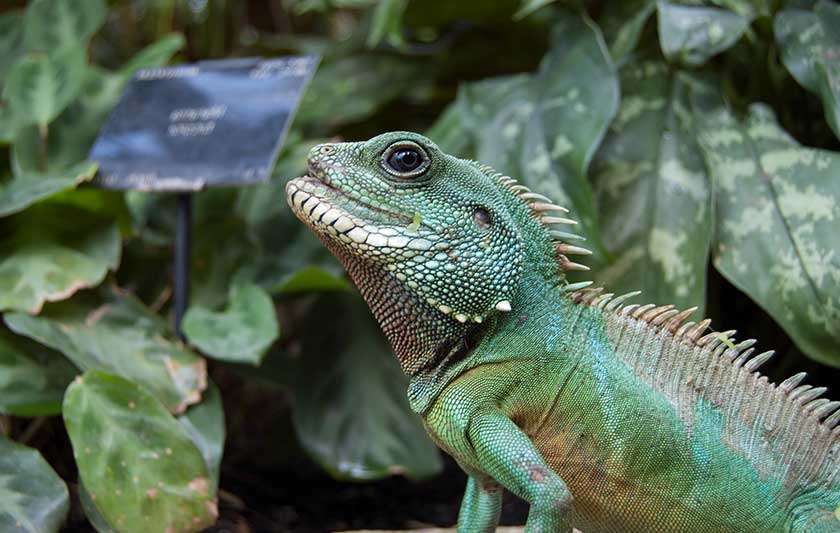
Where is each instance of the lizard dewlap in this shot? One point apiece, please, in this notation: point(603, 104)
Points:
point(603, 415)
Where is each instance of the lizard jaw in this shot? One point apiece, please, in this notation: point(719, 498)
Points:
point(319, 206)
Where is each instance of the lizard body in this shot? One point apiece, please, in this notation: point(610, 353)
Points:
point(603, 415)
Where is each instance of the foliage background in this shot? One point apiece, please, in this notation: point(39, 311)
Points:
point(696, 141)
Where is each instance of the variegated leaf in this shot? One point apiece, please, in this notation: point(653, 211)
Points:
point(543, 130)
point(810, 45)
point(653, 194)
point(692, 34)
point(778, 213)
point(112, 331)
point(33, 499)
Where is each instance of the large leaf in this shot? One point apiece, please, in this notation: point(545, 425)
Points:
point(544, 130)
point(18, 193)
point(351, 411)
point(39, 87)
point(778, 207)
point(692, 34)
point(353, 87)
point(11, 41)
point(55, 24)
point(114, 332)
point(241, 333)
point(49, 252)
point(33, 499)
point(653, 193)
point(205, 424)
point(32, 377)
point(622, 24)
point(137, 463)
point(72, 133)
point(810, 46)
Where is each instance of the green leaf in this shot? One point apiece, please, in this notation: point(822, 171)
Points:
point(810, 47)
point(529, 6)
point(653, 194)
point(112, 331)
point(449, 133)
point(205, 424)
point(546, 129)
point(778, 206)
point(241, 333)
point(73, 132)
point(138, 464)
point(387, 23)
point(32, 377)
point(622, 24)
point(18, 193)
point(33, 499)
point(39, 87)
point(56, 24)
point(311, 279)
point(155, 55)
point(351, 412)
point(690, 35)
point(49, 252)
point(352, 88)
point(11, 41)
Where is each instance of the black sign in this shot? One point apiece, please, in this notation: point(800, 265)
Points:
point(191, 126)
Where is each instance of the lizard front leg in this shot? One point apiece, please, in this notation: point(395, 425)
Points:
point(507, 455)
point(481, 505)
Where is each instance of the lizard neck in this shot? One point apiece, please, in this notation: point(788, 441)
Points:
point(421, 336)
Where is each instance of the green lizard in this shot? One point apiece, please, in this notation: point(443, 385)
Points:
point(604, 416)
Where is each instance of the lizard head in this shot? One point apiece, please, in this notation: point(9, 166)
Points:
point(438, 225)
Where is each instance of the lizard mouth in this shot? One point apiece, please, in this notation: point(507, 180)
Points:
point(333, 213)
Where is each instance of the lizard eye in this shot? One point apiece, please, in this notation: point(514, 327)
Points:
point(405, 160)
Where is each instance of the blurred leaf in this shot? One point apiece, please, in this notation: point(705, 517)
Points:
point(92, 513)
point(18, 193)
point(305, 6)
point(11, 41)
point(155, 55)
point(810, 48)
point(241, 333)
point(351, 411)
point(33, 499)
point(311, 279)
point(50, 252)
point(546, 129)
point(653, 193)
point(205, 424)
point(449, 133)
point(32, 377)
point(692, 34)
point(387, 23)
point(776, 237)
point(56, 24)
point(112, 331)
point(39, 87)
point(136, 461)
point(351, 88)
point(529, 6)
point(622, 24)
point(73, 132)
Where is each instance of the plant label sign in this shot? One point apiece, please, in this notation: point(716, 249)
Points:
point(191, 126)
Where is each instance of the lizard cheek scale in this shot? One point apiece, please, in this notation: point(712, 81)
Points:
point(603, 415)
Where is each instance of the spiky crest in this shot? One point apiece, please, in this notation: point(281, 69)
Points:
point(807, 422)
point(549, 214)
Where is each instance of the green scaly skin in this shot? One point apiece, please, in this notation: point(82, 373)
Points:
point(603, 416)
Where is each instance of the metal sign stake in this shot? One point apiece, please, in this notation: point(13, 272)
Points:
point(183, 248)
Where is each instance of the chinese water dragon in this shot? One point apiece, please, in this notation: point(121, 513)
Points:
point(602, 414)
